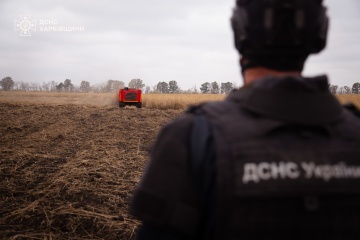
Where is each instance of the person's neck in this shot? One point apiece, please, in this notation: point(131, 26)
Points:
point(253, 74)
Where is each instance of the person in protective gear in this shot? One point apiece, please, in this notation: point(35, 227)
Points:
point(278, 158)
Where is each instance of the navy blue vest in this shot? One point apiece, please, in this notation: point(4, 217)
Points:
point(285, 169)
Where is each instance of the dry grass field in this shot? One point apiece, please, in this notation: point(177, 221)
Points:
point(69, 162)
point(153, 101)
point(349, 98)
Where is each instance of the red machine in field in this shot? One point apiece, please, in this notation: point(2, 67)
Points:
point(130, 96)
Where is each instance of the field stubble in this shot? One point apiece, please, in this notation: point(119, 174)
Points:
point(68, 166)
point(153, 101)
point(69, 162)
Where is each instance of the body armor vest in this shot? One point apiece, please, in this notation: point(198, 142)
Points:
point(287, 180)
point(280, 160)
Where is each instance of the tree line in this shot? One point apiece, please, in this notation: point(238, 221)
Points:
point(335, 89)
point(172, 86)
point(8, 83)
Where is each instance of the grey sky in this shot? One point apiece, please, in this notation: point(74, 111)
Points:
point(160, 40)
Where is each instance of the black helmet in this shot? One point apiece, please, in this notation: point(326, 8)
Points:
point(279, 34)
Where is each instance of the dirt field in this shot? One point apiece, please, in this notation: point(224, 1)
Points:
point(67, 171)
point(69, 162)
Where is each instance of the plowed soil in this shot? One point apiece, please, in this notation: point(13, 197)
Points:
point(68, 171)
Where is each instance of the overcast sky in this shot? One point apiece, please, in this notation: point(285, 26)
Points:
point(189, 41)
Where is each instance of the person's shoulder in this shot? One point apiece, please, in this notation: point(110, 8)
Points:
point(212, 106)
point(352, 108)
point(183, 123)
point(178, 126)
point(182, 119)
point(351, 120)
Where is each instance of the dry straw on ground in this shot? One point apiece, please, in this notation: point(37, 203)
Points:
point(67, 171)
point(178, 101)
point(69, 162)
point(153, 101)
point(349, 98)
